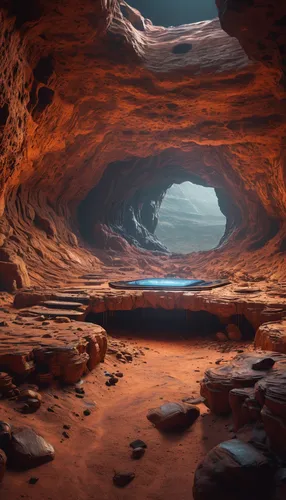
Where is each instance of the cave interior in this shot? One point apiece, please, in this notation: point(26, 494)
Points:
point(142, 140)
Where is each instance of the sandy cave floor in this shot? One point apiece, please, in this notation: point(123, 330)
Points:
point(98, 444)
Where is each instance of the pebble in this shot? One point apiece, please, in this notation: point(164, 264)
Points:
point(87, 413)
point(113, 380)
point(138, 443)
point(79, 390)
point(122, 479)
point(66, 434)
point(67, 427)
point(33, 480)
point(138, 453)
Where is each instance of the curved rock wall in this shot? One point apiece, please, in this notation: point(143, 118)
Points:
point(90, 84)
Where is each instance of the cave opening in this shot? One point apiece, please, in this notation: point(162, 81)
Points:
point(129, 205)
point(190, 219)
point(174, 13)
point(158, 322)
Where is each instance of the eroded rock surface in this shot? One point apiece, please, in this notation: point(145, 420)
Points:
point(63, 351)
point(173, 416)
point(163, 97)
point(252, 395)
point(272, 336)
point(27, 449)
point(235, 470)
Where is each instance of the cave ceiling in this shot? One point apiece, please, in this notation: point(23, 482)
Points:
point(89, 84)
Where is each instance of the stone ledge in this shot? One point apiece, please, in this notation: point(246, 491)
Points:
point(47, 350)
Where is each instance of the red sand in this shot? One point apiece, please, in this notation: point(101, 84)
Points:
point(99, 444)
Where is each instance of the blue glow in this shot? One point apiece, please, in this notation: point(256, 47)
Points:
point(165, 282)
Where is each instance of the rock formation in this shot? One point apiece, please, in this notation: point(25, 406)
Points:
point(94, 97)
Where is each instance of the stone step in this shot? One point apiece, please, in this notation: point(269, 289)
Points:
point(92, 276)
point(53, 313)
point(72, 297)
point(60, 304)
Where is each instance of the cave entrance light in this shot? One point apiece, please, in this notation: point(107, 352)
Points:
point(175, 12)
point(190, 219)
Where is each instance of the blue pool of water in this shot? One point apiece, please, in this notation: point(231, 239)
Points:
point(165, 282)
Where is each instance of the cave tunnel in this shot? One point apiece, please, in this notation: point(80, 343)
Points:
point(139, 207)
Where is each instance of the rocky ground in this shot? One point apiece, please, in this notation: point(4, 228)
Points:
point(92, 395)
point(91, 429)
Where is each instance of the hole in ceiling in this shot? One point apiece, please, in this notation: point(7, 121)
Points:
point(175, 12)
point(190, 219)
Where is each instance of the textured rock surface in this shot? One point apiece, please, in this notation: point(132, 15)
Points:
point(235, 470)
point(251, 395)
point(239, 374)
point(27, 449)
point(87, 85)
point(272, 336)
point(53, 350)
point(173, 416)
point(245, 408)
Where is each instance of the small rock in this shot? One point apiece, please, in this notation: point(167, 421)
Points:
point(113, 381)
point(138, 453)
point(263, 364)
point(79, 396)
point(138, 444)
point(173, 416)
point(119, 374)
point(47, 336)
point(233, 332)
point(79, 390)
point(32, 400)
point(122, 479)
point(194, 401)
point(87, 413)
point(4, 323)
point(33, 480)
point(62, 319)
point(66, 434)
point(67, 427)
point(28, 449)
point(221, 337)
point(218, 361)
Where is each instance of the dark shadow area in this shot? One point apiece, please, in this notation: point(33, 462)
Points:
point(246, 328)
point(175, 323)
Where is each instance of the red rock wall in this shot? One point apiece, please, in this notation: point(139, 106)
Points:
point(85, 86)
